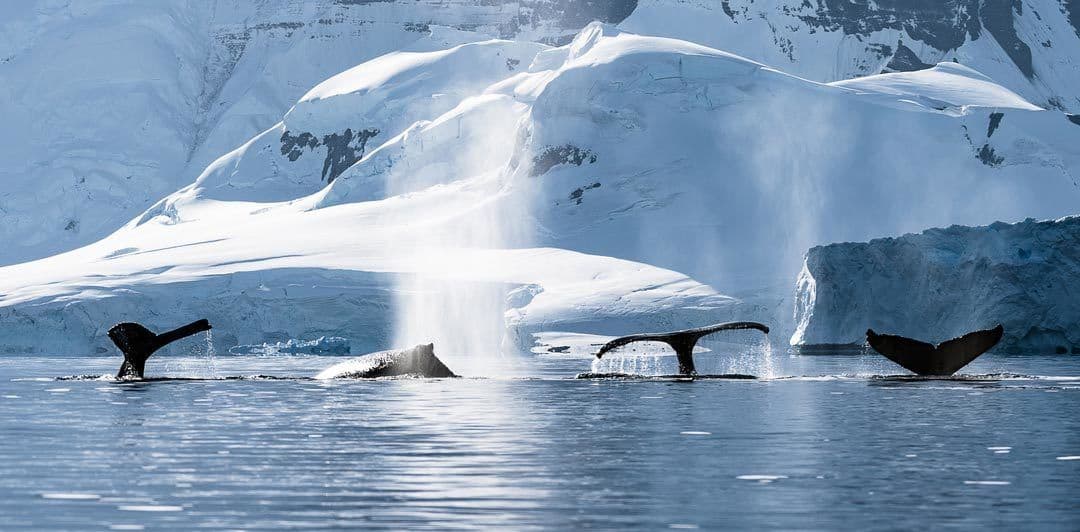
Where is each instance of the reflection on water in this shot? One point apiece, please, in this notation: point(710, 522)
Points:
point(824, 447)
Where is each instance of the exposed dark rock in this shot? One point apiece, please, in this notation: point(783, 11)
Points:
point(553, 156)
point(362, 2)
point(945, 25)
point(279, 25)
point(511, 63)
point(995, 121)
point(988, 157)
point(882, 50)
point(579, 192)
point(942, 24)
point(905, 60)
point(1072, 7)
point(342, 149)
point(293, 146)
point(726, 6)
point(576, 14)
point(1073, 118)
point(566, 14)
point(998, 18)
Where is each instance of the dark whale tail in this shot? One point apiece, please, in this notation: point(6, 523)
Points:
point(137, 343)
point(943, 359)
point(682, 342)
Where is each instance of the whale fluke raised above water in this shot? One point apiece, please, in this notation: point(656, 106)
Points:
point(137, 343)
point(682, 342)
point(943, 359)
point(419, 361)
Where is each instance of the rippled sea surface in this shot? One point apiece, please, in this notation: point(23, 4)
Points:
point(824, 445)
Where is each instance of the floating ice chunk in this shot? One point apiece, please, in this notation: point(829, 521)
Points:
point(764, 479)
point(71, 496)
point(323, 345)
point(150, 508)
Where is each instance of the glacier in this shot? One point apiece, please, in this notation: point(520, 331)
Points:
point(483, 193)
point(942, 283)
point(109, 105)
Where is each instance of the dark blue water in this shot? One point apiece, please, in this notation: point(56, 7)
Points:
point(837, 450)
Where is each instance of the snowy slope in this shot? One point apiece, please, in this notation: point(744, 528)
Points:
point(941, 86)
point(621, 182)
point(1030, 46)
point(333, 125)
point(109, 105)
point(942, 283)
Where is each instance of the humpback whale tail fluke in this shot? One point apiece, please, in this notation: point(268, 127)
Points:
point(682, 342)
point(943, 359)
point(137, 343)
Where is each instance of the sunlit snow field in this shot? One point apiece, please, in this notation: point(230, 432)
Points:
point(823, 445)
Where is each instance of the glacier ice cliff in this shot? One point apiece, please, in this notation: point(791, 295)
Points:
point(945, 282)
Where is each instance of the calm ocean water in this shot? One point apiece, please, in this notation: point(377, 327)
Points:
point(824, 446)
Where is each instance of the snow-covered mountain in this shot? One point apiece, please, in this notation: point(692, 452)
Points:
point(484, 192)
point(942, 283)
point(1030, 46)
point(112, 104)
point(109, 105)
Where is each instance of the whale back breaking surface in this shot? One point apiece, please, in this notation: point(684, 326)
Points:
point(943, 359)
point(418, 361)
